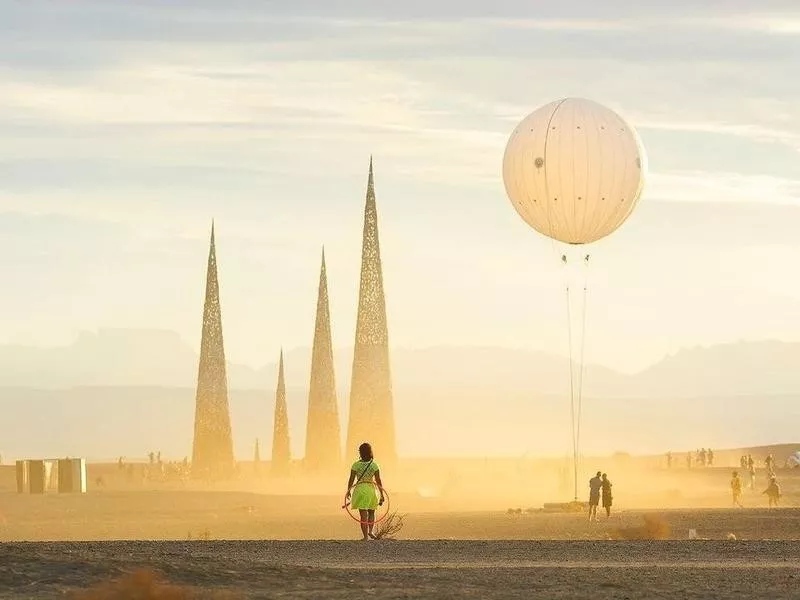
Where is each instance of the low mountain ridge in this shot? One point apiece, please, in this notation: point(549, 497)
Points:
point(125, 393)
point(118, 357)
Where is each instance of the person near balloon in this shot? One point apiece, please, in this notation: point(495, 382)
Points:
point(363, 489)
point(607, 497)
point(595, 485)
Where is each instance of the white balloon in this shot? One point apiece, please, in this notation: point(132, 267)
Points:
point(574, 170)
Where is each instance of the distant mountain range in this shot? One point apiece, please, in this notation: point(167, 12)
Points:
point(122, 357)
point(124, 392)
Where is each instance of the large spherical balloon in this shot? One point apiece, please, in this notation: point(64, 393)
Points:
point(574, 170)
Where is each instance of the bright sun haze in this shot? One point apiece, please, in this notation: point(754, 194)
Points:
point(419, 299)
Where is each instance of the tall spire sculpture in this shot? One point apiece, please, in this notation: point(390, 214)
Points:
point(323, 437)
point(257, 458)
point(212, 451)
point(371, 406)
point(281, 453)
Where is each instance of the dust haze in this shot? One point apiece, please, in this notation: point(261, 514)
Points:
point(335, 299)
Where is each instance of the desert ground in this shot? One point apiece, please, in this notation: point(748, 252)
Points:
point(409, 569)
point(464, 536)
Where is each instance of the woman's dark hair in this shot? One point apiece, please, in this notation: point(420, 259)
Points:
point(365, 451)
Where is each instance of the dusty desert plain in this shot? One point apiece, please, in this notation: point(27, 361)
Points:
point(472, 529)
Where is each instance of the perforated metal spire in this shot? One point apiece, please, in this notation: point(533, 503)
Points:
point(212, 451)
point(371, 416)
point(323, 436)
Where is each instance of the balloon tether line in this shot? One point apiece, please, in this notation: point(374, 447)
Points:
point(571, 385)
point(582, 363)
point(576, 390)
point(572, 396)
point(583, 341)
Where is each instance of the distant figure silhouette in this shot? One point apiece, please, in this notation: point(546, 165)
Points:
point(736, 489)
point(669, 460)
point(710, 455)
point(607, 497)
point(769, 462)
point(361, 490)
point(751, 469)
point(688, 460)
point(595, 485)
point(773, 492)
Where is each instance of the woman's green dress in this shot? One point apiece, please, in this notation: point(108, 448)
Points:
point(364, 495)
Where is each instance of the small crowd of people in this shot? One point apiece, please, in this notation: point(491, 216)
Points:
point(747, 462)
point(748, 465)
point(600, 491)
point(773, 491)
point(155, 469)
point(704, 457)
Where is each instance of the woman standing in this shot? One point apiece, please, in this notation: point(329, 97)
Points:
point(364, 488)
point(607, 497)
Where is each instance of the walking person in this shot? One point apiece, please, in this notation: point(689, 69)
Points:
point(607, 497)
point(364, 488)
point(736, 489)
point(595, 485)
point(773, 492)
point(769, 463)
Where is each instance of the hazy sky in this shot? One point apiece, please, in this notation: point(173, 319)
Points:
point(125, 127)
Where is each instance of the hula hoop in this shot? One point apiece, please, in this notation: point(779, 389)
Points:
point(357, 519)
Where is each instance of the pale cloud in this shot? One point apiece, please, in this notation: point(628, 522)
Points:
point(180, 94)
point(723, 187)
point(148, 119)
point(751, 131)
point(780, 23)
